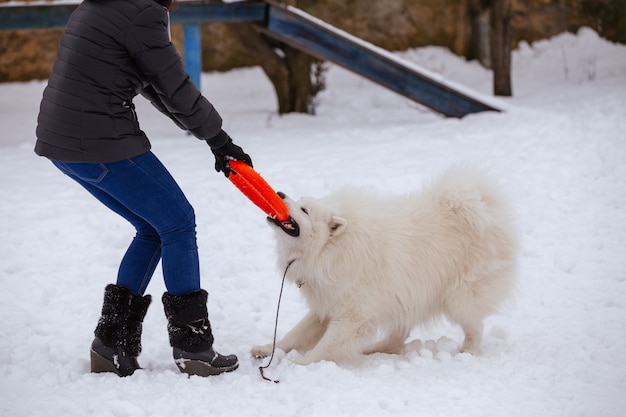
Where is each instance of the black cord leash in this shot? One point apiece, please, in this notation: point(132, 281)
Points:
point(280, 296)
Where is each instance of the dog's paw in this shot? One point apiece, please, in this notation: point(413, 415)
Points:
point(262, 351)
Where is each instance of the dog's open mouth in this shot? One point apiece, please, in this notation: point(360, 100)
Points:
point(289, 226)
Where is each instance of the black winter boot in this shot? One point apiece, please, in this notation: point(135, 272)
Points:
point(191, 337)
point(118, 333)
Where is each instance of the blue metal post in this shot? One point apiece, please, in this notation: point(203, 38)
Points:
point(193, 52)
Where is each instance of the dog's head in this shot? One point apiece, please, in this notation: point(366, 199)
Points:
point(311, 224)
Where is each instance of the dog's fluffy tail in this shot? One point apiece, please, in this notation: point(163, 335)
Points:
point(472, 196)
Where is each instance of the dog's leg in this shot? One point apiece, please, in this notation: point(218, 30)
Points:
point(342, 343)
point(473, 338)
point(302, 337)
point(467, 307)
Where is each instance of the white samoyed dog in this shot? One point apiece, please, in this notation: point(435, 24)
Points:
point(372, 268)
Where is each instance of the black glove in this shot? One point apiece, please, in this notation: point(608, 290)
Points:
point(228, 152)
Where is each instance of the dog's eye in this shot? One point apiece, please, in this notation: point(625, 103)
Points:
point(305, 211)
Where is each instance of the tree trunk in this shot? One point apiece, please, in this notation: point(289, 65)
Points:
point(501, 47)
point(289, 70)
point(299, 75)
point(480, 38)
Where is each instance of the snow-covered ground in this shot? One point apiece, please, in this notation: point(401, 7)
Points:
point(557, 349)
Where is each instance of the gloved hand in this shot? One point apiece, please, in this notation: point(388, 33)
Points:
point(228, 152)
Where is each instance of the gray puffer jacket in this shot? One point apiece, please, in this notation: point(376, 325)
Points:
point(111, 51)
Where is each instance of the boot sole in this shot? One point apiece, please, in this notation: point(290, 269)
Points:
point(100, 364)
point(199, 368)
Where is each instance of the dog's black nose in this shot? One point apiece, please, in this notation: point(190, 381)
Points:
point(281, 194)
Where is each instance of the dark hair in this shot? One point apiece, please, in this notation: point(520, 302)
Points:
point(170, 5)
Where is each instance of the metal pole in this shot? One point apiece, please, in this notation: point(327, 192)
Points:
point(193, 52)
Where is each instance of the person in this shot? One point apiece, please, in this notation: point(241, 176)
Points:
point(111, 51)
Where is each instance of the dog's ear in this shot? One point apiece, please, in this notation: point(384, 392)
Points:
point(337, 225)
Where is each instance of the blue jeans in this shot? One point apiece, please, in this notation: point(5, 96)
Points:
point(142, 191)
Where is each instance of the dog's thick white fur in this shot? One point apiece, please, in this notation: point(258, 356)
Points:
point(373, 268)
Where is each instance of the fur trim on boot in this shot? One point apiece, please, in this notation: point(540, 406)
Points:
point(118, 334)
point(191, 337)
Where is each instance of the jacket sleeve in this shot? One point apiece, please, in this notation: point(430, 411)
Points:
point(152, 96)
point(147, 40)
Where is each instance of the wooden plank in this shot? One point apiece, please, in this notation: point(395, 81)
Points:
point(325, 42)
point(199, 12)
point(13, 17)
point(40, 16)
